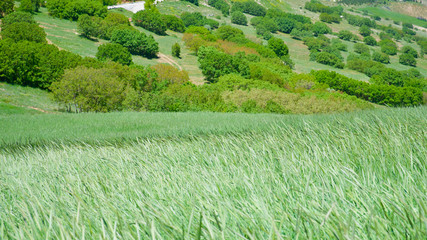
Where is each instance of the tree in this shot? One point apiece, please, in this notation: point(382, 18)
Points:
point(410, 50)
point(239, 18)
point(195, 2)
point(150, 20)
point(320, 28)
point(220, 5)
point(136, 42)
point(89, 26)
point(380, 57)
point(361, 48)
point(388, 47)
point(23, 31)
point(278, 46)
point(29, 6)
point(6, 7)
point(114, 52)
point(173, 23)
point(176, 50)
point(407, 59)
point(369, 40)
point(16, 17)
point(285, 25)
point(89, 89)
point(365, 31)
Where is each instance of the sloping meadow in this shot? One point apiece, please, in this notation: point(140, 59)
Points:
point(356, 175)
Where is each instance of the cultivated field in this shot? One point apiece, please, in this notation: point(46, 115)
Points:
point(214, 176)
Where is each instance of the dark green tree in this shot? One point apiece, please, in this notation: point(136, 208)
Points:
point(365, 31)
point(136, 42)
point(150, 20)
point(23, 31)
point(278, 46)
point(407, 59)
point(369, 40)
point(410, 50)
point(114, 52)
point(176, 50)
point(239, 18)
point(6, 7)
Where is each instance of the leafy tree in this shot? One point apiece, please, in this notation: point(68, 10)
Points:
point(6, 7)
point(114, 52)
point(278, 46)
point(381, 57)
point(285, 25)
point(89, 26)
point(320, 28)
point(231, 34)
point(369, 40)
point(173, 23)
point(197, 19)
point(388, 47)
point(136, 42)
point(89, 89)
point(72, 9)
point(195, 2)
point(150, 20)
point(239, 18)
point(176, 50)
point(23, 31)
point(220, 5)
point(361, 48)
point(116, 19)
point(29, 6)
point(407, 59)
point(330, 18)
point(16, 17)
point(329, 59)
point(410, 50)
point(365, 31)
point(346, 35)
point(250, 7)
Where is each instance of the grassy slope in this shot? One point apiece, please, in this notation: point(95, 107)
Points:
point(385, 13)
point(18, 99)
point(359, 175)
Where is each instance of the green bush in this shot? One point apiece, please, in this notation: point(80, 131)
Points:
point(173, 23)
point(89, 26)
point(285, 25)
point(407, 59)
point(320, 28)
point(278, 46)
point(380, 94)
point(72, 9)
point(16, 17)
point(346, 35)
point(150, 20)
point(410, 50)
point(197, 19)
point(369, 40)
point(136, 42)
point(249, 7)
point(195, 2)
point(381, 57)
point(361, 48)
point(329, 59)
point(231, 34)
point(365, 31)
point(388, 46)
point(6, 7)
point(239, 18)
point(330, 18)
point(220, 5)
point(176, 50)
point(114, 52)
point(24, 31)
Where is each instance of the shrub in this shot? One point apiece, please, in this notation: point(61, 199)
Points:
point(114, 52)
point(300, 34)
point(329, 59)
point(285, 24)
point(24, 31)
point(170, 74)
point(195, 2)
point(16, 17)
point(330, 18)
point(176, 50)
point(220, 5)
point(6, 7)
point(239, 18)
point(369, 40)
point(410, 50)
point(116, 19)
point(407, 59)
point(365, 31)
point(381, 94)
point(388, 47)
point(231, 34)
point(320, 28)
point(361, 48)
point(29, 6)
point(380, 57)
point(249, 7)
point(278, 46)
point(346, 35)
point(407, 25)
point(89, 26)
point(173, 23)
point(197, 19)
point(136, 42)
point(72, 9)
point(150, 20)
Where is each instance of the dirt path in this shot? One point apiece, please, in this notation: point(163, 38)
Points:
point(166, 59)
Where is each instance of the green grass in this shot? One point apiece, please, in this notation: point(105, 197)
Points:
point(383, 13)
point(345, 176)
point(25, 99)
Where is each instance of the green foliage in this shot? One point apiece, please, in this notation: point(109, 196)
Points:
point(278, 46)
point(17, 17)
point(150, 20)
point(250, 7)
point(6, 7)
point(116, 19)
point(136, 42)
point(410, 50)
point(33, 64)
point(176, 50)
point(24, 31)
point(365, 31)
point(195, 2)
point(359, 21)
point(407, 59)
point(369, 40)
point(329, 59)
point(238, 18)
point(381, 57)
point(89, 26)
point(215, 63)
point(72, 9)
point(381, 94)
point(347, 35)
point(285, 25)
point(220, 5)
point(316, 6)
point(388, 47)
point(29, 6)
point(320, 28)
point(114, 52)
point(173, 23)
point(89, 89)
point(300, 34)
point(330, 18)
point(361, 48)
point(231, 34)
point(197, 19)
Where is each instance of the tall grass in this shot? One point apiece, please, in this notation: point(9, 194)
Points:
point(345, 176)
